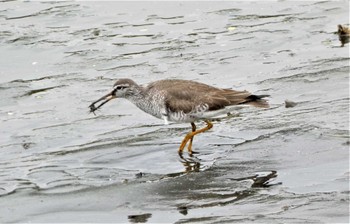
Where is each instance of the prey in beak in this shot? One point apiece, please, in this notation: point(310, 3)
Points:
point(104, 100)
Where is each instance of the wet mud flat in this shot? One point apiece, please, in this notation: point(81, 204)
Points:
point(288, 163)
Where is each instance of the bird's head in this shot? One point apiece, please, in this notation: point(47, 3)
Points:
point(123, 88)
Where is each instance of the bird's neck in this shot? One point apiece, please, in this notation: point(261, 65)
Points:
point(137, 96)
point(143, 100)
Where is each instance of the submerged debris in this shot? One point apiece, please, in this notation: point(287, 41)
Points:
point(183, 210)
point(27, 145)
point(347, 142)
point(289, 103)
point(35, 91)
point(139, 218)
point(261, 180)
point(344, 34)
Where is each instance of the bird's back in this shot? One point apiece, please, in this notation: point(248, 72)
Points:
point(187, 96)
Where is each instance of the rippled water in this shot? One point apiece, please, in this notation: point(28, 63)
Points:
point(61, 164)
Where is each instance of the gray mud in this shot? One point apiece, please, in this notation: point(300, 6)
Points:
point(59, 163)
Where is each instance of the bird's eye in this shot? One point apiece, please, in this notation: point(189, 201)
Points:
point(119, 87)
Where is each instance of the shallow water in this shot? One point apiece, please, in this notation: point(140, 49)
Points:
point(61, 164)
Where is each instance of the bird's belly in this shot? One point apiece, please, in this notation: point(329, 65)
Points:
point(180, 117)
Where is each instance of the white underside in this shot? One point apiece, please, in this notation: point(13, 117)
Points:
point(205, 115)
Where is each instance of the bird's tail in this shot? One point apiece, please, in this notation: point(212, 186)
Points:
point(257, 101)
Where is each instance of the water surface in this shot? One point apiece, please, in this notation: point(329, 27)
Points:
point(61, 164)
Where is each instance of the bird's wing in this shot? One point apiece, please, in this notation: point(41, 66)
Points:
point(190, 98)
point(181, 95)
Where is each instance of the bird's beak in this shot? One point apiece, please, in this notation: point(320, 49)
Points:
point(105, 99)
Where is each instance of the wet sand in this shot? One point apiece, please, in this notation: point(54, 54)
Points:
point(60, 163)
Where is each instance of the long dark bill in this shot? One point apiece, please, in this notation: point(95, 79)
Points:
point(106, 98)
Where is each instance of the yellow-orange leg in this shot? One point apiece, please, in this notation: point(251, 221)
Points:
point(190, 136)
point(189, 147)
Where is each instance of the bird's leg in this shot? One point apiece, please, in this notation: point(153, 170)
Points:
point(190, 136)
point(184, 142)
point(189, 147)
point(209, 126)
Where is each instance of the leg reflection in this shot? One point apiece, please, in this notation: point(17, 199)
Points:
point(191, 164)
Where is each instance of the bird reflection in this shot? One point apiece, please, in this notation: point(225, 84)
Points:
point(191, 164)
